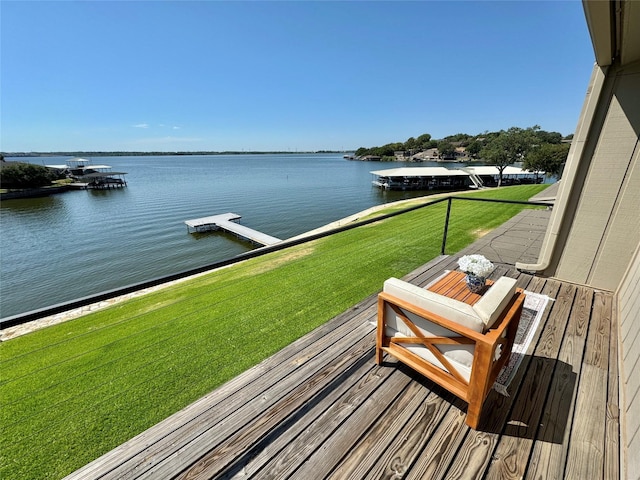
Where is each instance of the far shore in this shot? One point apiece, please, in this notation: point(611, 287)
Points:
point(28, 327)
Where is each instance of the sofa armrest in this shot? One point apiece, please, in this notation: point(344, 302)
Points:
point(495, 300)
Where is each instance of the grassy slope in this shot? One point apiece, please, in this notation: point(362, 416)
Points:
point(73, 391)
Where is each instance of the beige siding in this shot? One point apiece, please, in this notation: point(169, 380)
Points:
point(629, 319)
point(622, 232)
point(605, 225)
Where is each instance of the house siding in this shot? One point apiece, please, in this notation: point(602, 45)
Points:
point(604, 229)
point(628, 297)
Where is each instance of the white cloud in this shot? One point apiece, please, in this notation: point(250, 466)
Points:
point(176, 128)
point(141, 125)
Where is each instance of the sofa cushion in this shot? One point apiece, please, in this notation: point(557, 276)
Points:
point(461, 358)
point(448, 308)
point(495, 300)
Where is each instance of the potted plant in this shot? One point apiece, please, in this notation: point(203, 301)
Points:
point(476, 268)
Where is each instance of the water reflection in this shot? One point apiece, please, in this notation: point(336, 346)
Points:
point(27, 205)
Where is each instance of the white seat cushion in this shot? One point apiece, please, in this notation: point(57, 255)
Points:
point(461, 357)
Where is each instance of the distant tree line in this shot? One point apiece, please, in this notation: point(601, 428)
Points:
point(423, 142)
point(153, 154)
point(537, 149)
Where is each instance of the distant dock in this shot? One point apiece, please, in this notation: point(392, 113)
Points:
point(226, 222)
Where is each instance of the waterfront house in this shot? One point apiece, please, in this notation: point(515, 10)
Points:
point(428, 155)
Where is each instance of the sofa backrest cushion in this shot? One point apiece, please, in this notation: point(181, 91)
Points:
point(495, 300)
point(448, 308)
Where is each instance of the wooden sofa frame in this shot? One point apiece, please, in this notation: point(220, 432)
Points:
point(485, 367)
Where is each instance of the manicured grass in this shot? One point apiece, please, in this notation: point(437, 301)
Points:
point(74, 391)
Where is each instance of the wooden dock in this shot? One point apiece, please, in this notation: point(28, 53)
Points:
point(322, 408)
point(226, 222)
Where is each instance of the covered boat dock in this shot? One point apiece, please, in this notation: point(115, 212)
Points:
point(488, 175)
point(86, 175)
point(422, 178)
point(442, 178)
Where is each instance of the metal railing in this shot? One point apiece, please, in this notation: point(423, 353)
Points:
point(491, 200)
point(37, 314)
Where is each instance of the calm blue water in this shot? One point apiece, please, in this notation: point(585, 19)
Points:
point(70, 245)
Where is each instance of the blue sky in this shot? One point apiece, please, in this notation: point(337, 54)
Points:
point(292, 76)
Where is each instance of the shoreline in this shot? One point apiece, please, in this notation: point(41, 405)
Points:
point(28, 327)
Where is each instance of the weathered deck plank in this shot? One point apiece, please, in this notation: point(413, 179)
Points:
point(331, 441)
point(224, 401)
point(322, 408)
point(544, 392)
point(234, 412)
point(442, 448)
point(397, 438)
point(587, 447)
point(303, 437)
point(208, 460)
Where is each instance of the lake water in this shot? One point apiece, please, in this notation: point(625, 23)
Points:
point(67, 246)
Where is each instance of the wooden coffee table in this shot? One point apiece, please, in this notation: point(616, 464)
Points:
point(453, 285)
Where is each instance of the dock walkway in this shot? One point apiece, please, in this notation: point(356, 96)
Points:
point(226, 222)
point(322, 408)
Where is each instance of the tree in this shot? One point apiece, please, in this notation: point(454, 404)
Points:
point(446, 149)
point(498, 148)
point(496, 154)
point(548, 158)
point(423, 141)
point(549, 137)
point(384, 151)
point(474, 148)
point(508, 147)
point(410, 144)
point(361, 152)
point(461, 138)
point(25, 175)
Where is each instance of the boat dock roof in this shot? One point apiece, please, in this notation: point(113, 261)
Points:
point(225, 222)
point(419, 172)
point(493, 170)
point(448, 172)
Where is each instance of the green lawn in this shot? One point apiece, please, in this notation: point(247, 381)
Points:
point(74, 391)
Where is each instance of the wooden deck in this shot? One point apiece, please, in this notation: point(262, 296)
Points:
point(322, 408)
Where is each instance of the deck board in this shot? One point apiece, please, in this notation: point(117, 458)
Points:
point(322, 408)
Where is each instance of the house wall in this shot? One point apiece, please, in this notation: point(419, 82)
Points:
point(601, 227)
point(628, 297)
point(594, 238)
